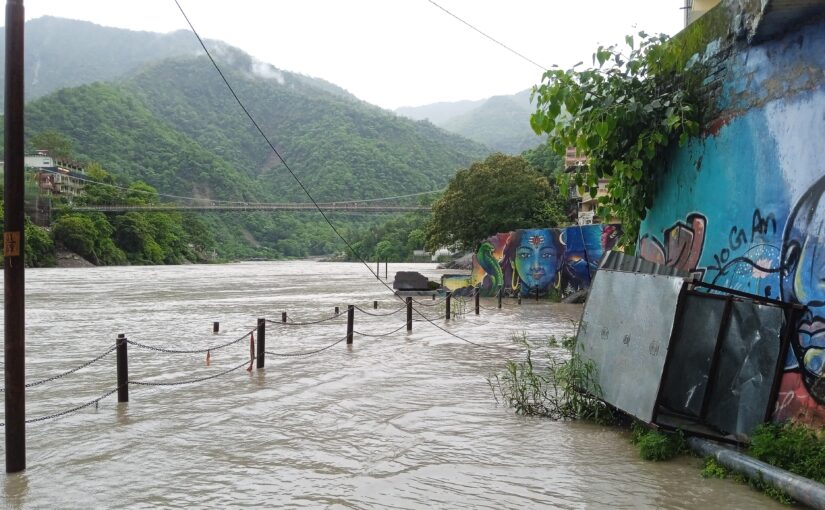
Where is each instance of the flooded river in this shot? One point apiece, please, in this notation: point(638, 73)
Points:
point(400, 421)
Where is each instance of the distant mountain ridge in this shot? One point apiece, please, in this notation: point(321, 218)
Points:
point(62, 53)
point(500, 122)
point(171, 122)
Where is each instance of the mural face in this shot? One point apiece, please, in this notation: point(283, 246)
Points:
point(554, 261)
point(803, 281)
point(537, 257)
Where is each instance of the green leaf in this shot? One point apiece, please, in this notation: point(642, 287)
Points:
point(629, 40)
point(602, 129)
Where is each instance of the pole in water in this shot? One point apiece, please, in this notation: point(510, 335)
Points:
point(216, 327)
point(375, 305)
point(283, 316)
point(378, 267)
point(537, 293)
point(449, 298)
point(519, 299)
point(386, 271)
point(409, 313)
point(122, 368)
point(14, 244)
point(261, 342)
point(337, 311)
point(500, 293)
point(478, 296)
point(350, 320)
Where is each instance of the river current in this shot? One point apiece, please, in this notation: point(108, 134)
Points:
point(406, 420)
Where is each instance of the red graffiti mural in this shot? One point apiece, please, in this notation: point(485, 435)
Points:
point(684, 245)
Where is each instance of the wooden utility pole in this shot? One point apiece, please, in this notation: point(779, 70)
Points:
point(14, 244)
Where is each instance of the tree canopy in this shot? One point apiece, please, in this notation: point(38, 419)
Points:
point(499, 194)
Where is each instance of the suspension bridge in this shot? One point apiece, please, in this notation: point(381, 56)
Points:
point(345, 207)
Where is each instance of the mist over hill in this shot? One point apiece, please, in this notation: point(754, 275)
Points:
point(502, 123)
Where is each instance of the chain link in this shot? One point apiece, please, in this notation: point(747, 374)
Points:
point(191, 351)
point(68, 372)
point(292, 323)
point(69, 411)
point(293, 354)
point(192, 381)
point(380, 314)
point(382, 334)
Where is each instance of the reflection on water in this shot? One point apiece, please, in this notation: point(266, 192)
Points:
point(404, 421)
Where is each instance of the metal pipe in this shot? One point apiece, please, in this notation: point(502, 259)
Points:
point(805, 491)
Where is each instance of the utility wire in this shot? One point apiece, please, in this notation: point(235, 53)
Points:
point(300, 183)
point(511, 50)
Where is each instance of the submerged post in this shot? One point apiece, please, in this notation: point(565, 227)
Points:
point(336, 311)
point(283, 316)
point(14, 244)
point(478, 297)
point(261, 342)
point(409, 313)
point(449, 298)
point(350, 320)
point(375, 305)
point(122, 369)
point(216, 327)
point(386, 271)
point(500, 293)
point(537, 293)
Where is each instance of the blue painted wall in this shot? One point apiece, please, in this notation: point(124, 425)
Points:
point(742, 205)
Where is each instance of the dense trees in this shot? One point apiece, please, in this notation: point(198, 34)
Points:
point(498, 194)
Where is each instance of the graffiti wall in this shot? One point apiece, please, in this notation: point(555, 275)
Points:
point(550, 262)
point(743, 206)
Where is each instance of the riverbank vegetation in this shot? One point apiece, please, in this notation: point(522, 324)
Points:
point(554, 385)
point(624, 114)
point(792, 447)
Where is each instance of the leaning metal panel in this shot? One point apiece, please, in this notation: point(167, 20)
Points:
point(747, 367)
point(625, 331)
point(692, 349)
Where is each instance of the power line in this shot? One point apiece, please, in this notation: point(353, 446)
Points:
point(301, 184)
point(274, 150)
point(511, 50)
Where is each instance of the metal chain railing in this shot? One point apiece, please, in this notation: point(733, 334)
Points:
point(290, 322)
point(308, 353)
point(373, 314)
point(382, 334)
point(69, 411)
point(68, 372)
point(191, 381)
point(192, 351)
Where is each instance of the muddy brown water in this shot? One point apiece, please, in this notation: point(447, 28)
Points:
point(402, 421)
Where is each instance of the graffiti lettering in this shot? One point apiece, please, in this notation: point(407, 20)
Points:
point(759, 226)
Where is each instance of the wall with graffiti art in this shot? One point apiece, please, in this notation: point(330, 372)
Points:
point(742, 206)
point(548, 262)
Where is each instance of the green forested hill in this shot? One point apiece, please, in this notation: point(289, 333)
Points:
point(340, 148)
point(173, 125)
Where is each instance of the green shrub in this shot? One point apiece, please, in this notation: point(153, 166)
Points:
point(557, 388)
point(793, 447)
point(655, 445)
point(713, 469)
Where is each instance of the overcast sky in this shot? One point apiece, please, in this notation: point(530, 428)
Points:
point(396, 52)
